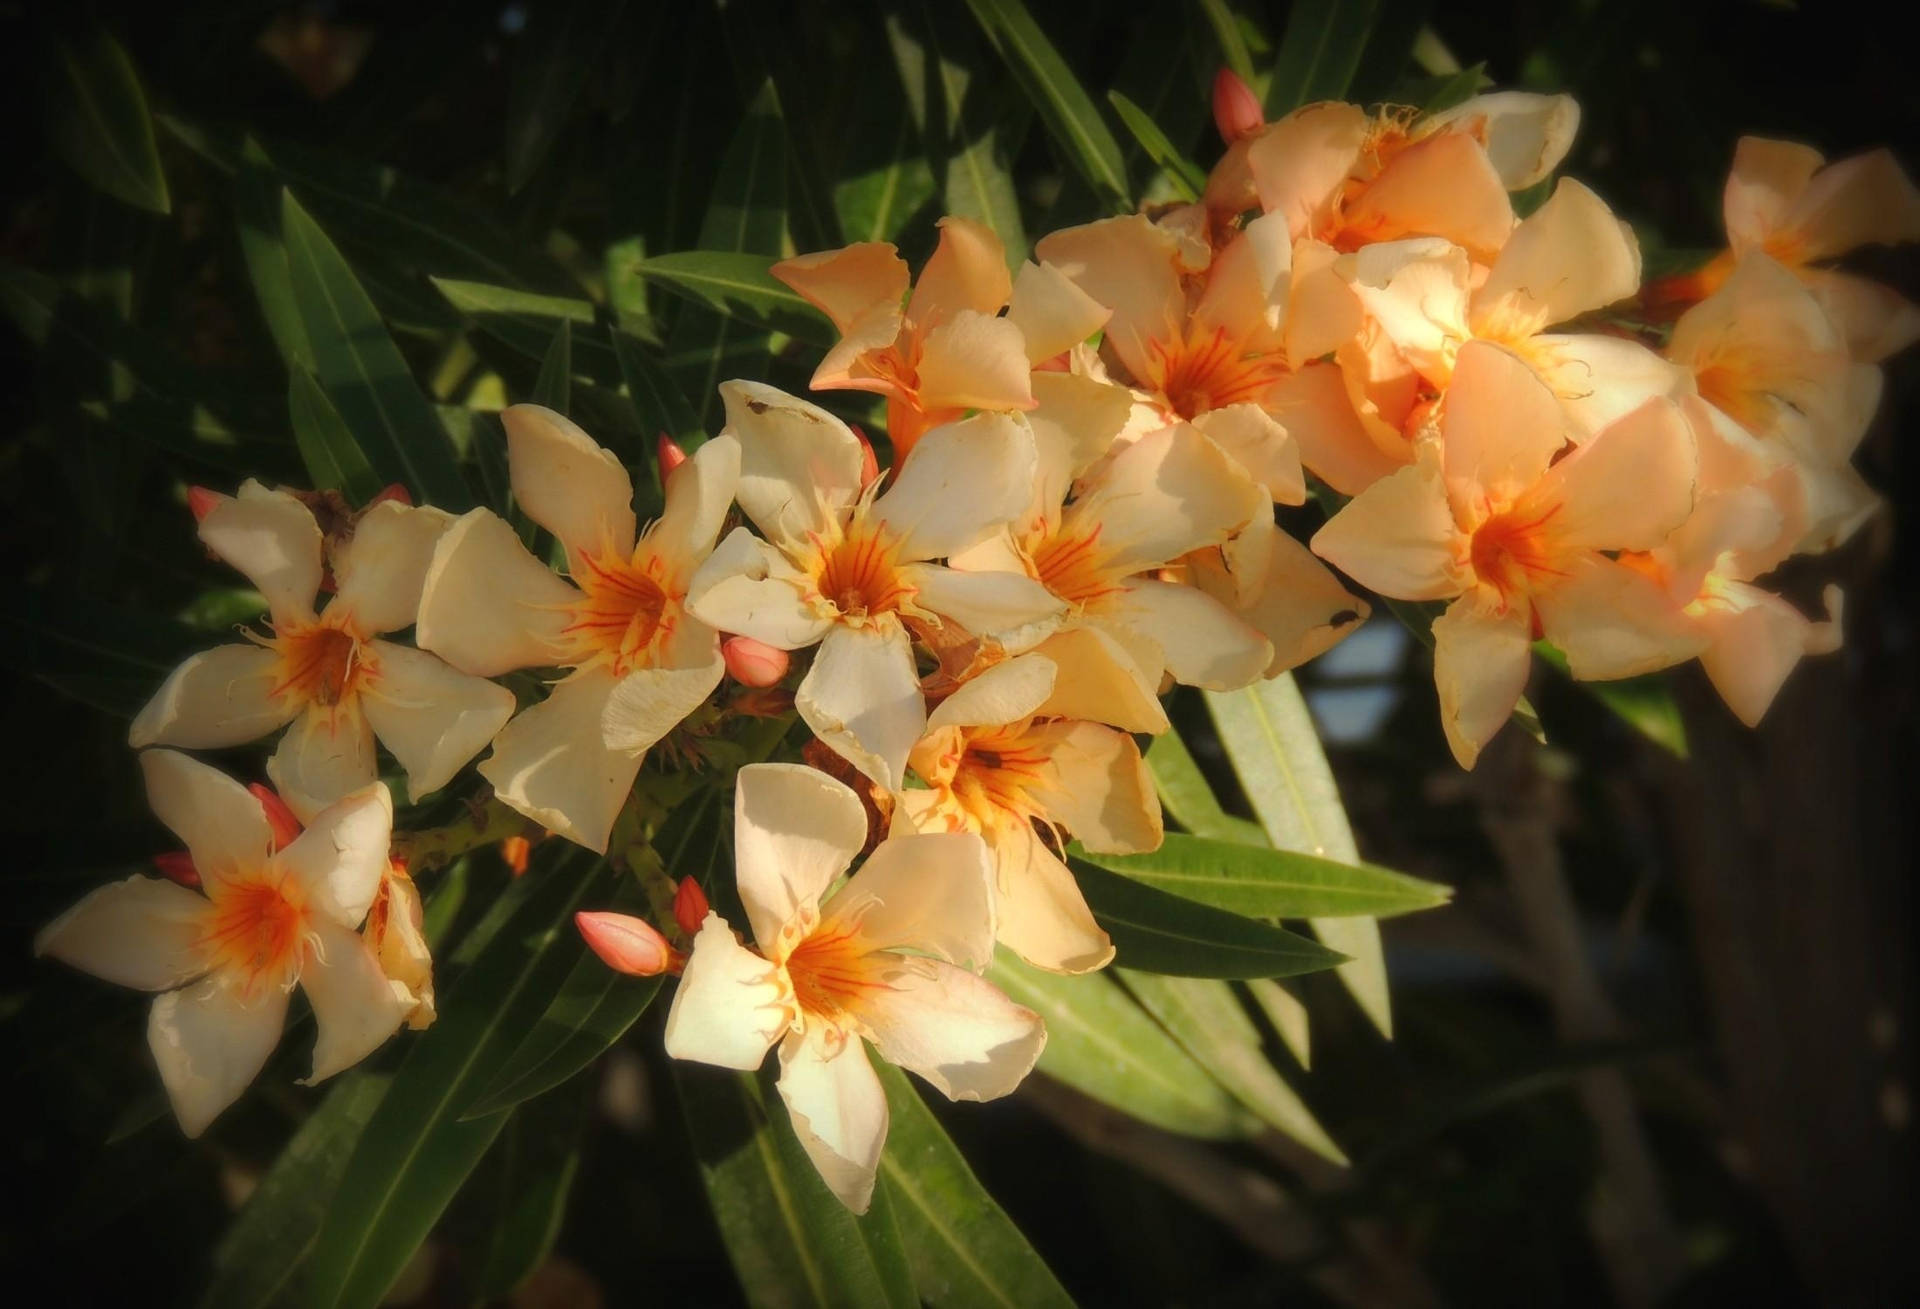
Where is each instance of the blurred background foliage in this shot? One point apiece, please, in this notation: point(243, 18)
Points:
point(1659, 1049)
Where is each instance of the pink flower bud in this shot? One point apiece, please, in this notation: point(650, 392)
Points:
point(689, 906)
point(201, 501)
point(754, 663)
point(279, 818)
point(624, 943)
point(1236, 110)
point(177, 866)
point(393, 491)
point(671, 455)
point(869, 462)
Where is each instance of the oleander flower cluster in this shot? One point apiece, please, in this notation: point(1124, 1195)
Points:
point(1088, 461)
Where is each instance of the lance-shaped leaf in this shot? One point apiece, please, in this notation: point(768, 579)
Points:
point(1276, 754)
point(1320, 52)
point(519, 1193)
point(1260, 882)
point(1645, 704)
point(554, 59)
point(100, 124)
point(792, 1242)
point(1207, 1019)
point(1185, 795)
point(1161, 933)
point(364, 373)
point(334, 460)
point(525, 321)
point(657, 398)
point(1063, 104)
point(1101, 1043)
point(964, 1249)
point(1188, 180)
point(417, 1148)
point(738, 285)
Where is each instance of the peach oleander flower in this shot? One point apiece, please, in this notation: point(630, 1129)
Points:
point(1494, 518)
point(639, 661)
point(1784, 200)
point(1763, 352)
point(993, 767)
point(947, 352)
point(326, 672)
point(891, 958)
point(847, 565)
point(225, 961)
point(1426, 299)
point(396, 931)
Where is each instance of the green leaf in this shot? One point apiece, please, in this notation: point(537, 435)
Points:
point(1259, 882)
point(1161, 933)
point(1207, 1019)
point(100, 654)
point(1188, 180)
point(256, 204)
point(791, 1241)
point(1225, 25)
point(417, 1149)
point(657, 398)
point(1184, 793)
point(100, 124)
point(593, 1008)
point(261, 1259)
point(333, 458)
point(739, 286)
point(964, 1249)
point(362, 371)
point(1645, 704)
point(554, 387)
point(875, 205)
point(524, 1183)
point(1063, 104)
point(555, 59)
point(1270, 737)
point(1101, 1043)
point(1320, 52)
point(525, 321)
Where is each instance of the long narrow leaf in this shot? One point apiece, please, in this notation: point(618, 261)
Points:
point(1161, 933)
point(1320, 51)
point(333, 458)
point(738, 285)
point(101, 126)
point(1259, 882)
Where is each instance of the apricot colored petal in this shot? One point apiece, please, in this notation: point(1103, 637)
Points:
point(862, 697)
point(799, 465)
point(1480, 665)
point(488, 606)
point(1052, 313)
point(432, 717)
point(379, 571)
point(210, 1041)
point(566, 482)
point(1500, 425)
point(272, 538)
point(968, 270)
point(1569, 257)
point(974, 361)
point(552, 762)
point(1398, 537)
point(850, 283)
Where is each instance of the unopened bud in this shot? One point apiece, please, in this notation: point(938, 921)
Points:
point(624, 943)
point(177, 866)
point(393, 491)
point(754, 663)
point(689, 906)
point(671, 455)
point(514, 852)
point(869, 462)
point(1236, 110)
point(279, 818)
point(201, 501)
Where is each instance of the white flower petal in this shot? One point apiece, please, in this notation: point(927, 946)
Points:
point(958, 1031)
point(730, 1005)
point(795, 829)
point(342, 855)
point(1601, 379)
point(379, 571)
point(1169, 492)
point(1205, 643)
point(1004, 693)
point(839, 1111)
point(799, 465)
point(355, 1007)
point(142, 932)
point(218, 697)
point(747, 586)
point(1261, 446)
point(566, 482)
point(210, 1041)
point(1527, 135)
point(1009, 609)
point(699, 494)
point(272, 538)
point(432, 717)
point(962, 482)
point(931, 893)
point(1053, 314)
point(326, 754)
point(862, 698)
point(648, 703)
point(488, 606)
point(552, 762)
point(221, 824)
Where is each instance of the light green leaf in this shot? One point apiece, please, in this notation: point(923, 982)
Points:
point(791, 1241)
point(1225, 26)
point(554, 386)
point(964, 1250)
point(1276, 754)
point(1287, 1014)
point(1260, 882)
point(1101, 1043)
point(524, 1183)
point(739, 286)
point(256, 204)
point(417, 1149)
point(876, 204)
point(364, 373)
point(1063, 104)
point(1185, 795)
point(657, 398)
point(1188, 180)
point(1163, 933)
point(1206, 1018)
point(1320, 52)
point(100, 124)
point(333, 458)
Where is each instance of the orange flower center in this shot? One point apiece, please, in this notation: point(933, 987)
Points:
point(319, 664)
point(831, 968)
point(256, 927)
point(1072, 566)
point(1512, 552)
point(620, 613)
point(998, 769)
point(858, 576)
point(1208, 370)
